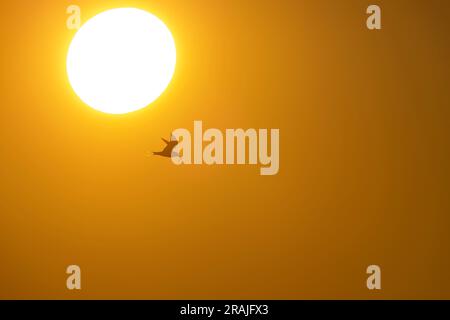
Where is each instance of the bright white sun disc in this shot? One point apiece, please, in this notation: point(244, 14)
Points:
point(121, 60)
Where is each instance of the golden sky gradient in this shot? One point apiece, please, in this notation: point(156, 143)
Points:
point(364, 156)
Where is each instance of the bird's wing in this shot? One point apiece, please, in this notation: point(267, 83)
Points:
point(167, 149)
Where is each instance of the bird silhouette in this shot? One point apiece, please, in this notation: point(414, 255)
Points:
point(167, 151)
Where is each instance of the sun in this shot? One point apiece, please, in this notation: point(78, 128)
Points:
point(121, 60)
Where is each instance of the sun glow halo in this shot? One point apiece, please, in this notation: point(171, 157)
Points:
point(121, 60)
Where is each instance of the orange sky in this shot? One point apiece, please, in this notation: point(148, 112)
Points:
point(364, 157)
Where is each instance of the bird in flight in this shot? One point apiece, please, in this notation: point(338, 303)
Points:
point(167, 151)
